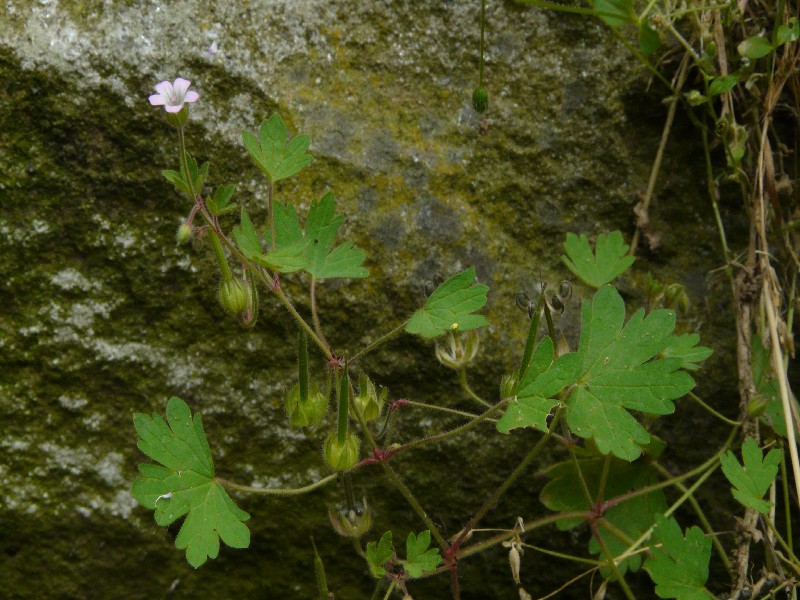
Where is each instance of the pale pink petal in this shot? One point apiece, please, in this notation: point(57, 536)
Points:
point(164, 88)
point(157, 100)
point(174, 109)
point(180, 86)
point(191, 97)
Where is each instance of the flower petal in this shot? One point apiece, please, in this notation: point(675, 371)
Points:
point(157, 100)
point(174, 109)
point(191, 96)
point(164, 88)
point(180, 86)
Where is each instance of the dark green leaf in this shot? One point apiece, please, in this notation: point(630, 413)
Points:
point(619, 370)
point(450, 307)
point(615, 12)
point(755, 47)
point(378, 554)
point(720, 85)
point(177, 180)
point(219, 203)
point(420, 559)
point(686, 349)
point(184, 484)
point(679, 566)
point(321, 227)
point(789, 32)
point(611, 260)
point(752, 481)
point(634, 516)
point(649, 40)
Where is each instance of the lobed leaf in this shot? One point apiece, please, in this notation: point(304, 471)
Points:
point(752, 481)
point(247, 237)
point(679, 565)
point(219, 203)
point(378, 554)
point(420, 559)
point(609, 262)
point(450, 307)
point(274, 153)
point(634, 516)
point(620, 369)
point(615, 12)
point(183, 483)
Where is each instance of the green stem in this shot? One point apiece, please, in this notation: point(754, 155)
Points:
point(302, 363)
point(578, 559)
point(483, 27)
point(271, 213)
point(498, 493)
point(612, 563)
point(451, 411)
point(381, 340)
point(277, 492)
point(712, 193)
point(453, 432)
point(712, 411)
point(787, 507)
point(315, 312)
point(529, 526)
point(398, 483)
point(462, 378)
point(342, 397)
point(603, 478)
point(220, 254)
point(701, 516)
point(185, 163)
point(530, 343)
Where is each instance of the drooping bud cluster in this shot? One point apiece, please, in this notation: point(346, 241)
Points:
point(306, 412)
point(367, 401)
point(341, 455)
point(234, 296)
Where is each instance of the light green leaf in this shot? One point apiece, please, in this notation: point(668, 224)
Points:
point(184, 484)
point(219, 203)
point(615, 12)
point(611, 260)
point(274, 153)
point(450, 307)
point(197, 176)
point(634, 516)
point(789, 32)
point(755, 47)
point(379, 553)
point(752, 481)
point(720, 85)
point(247, 237)
point(686, 349)
point(649, 40)
point(679, 566)
point(619, 370)
point(177, 180)
point(420, 559)
point(542, 380)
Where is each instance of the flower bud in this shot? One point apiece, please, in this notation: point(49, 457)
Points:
point(185, 233)
point(507, 385)
point(341, 456)
point(480, 99)
point(309, 412)
point(349, 523)
point(234, 296)
point(367, 400)
point(460, 351)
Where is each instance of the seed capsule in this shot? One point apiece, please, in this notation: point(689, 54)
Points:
point(480, 99)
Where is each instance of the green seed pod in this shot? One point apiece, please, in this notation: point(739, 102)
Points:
point(349, 523)
point(480, 99)
point(234, 296)
point(367, 400)
point(341, 456)
point(309, 412)
point(184, 234)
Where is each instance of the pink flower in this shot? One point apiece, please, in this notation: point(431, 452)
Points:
point(172, 95)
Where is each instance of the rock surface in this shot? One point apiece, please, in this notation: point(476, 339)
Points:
point(103, 316)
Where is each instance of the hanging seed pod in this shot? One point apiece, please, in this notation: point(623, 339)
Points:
point(351, 523)
point(341, 455)
point(480, 99)
point(308, 412)
point(234, 296)
point(367, 401)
